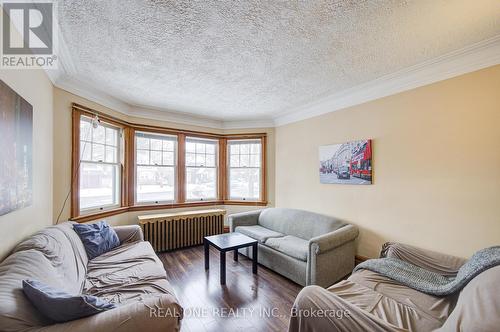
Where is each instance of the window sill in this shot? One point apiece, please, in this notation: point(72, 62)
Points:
point(99, 215)
point(173, 205)
point(108, 213)
point(247, 203)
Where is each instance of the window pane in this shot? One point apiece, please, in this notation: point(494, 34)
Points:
point(85, 130)
point(234, 160)
point(97, 152)
point(200, 160)
point(168, 145)
point(255, 148)
point(200, 148)
point(190, 147)
point(155, 168)
point(168, 158)
point(98, 185)
point(190, 159)
point(210, 160)
point(245, 148)
point(201, 183)
point(245, 169)
point(155, 184)
point(156, 144)
point(210, 149)
point(85, 151)
point(111, 137)
point(255, 160)
point(143, 157)
point(155, 157)
point(142, 143)
point(234, 149)
point(98, 135)
point(244, 160)
point(244, 183)
point(111, 154)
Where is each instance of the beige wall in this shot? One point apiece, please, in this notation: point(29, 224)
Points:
point(36, 88)
point(436, 166)
point(62, 153)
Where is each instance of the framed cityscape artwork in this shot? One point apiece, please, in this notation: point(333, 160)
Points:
point(346, 163)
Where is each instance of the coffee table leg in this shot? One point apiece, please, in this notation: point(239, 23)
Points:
point(205, 244)
point(235, 255)
point(222, 267)
point(254, 254)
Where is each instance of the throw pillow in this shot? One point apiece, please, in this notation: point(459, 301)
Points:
point(60, 306)
point(97, 238)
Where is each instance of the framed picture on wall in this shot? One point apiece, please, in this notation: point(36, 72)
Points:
point(16, 145)
point(346, 163)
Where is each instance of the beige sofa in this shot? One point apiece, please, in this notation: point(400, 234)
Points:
point(131, 276)
point(367, 301)
point(306, 247)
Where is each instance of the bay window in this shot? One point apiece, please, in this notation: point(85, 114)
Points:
point(119, 166)
point(245, 160)
point(201, 169)
point(155, 167)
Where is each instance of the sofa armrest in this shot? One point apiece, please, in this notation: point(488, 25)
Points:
point(332, 240)
point(156, 314)
point(243, 219)
point(443, 264)
point(129, 233)
point(317, 309)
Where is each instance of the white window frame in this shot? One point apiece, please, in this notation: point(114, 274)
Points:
point(173, 138)
point(194, 139)
point(117, 193)
point(228, 167)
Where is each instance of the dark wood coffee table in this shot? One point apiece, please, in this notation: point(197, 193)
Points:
point(227, 242)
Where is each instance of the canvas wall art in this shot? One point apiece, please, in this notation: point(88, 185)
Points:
point(16, 128)
point(346, 163)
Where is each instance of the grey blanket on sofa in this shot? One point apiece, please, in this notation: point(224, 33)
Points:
point(431, 282)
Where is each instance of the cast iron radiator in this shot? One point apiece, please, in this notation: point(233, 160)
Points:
point(183, 229)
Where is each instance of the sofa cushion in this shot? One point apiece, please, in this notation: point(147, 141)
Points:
point(258, 233)
point(299, 223)
point(291, 246)
point(126, 274)
point(61, 306)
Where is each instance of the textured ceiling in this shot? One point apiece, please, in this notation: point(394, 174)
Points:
point(249, 60)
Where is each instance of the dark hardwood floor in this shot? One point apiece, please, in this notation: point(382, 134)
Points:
point(247, 302)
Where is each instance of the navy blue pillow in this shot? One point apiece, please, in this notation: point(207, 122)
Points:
point(60, 306)
point(97, 238)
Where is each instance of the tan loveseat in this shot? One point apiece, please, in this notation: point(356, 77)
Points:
point(367, 301)
point(131, 276)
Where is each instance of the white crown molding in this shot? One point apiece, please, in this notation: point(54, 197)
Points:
point(471, 58)
point(65, 65)
point(82, 89)
point(248, 124)
point(172, 116)
point(193, 120)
